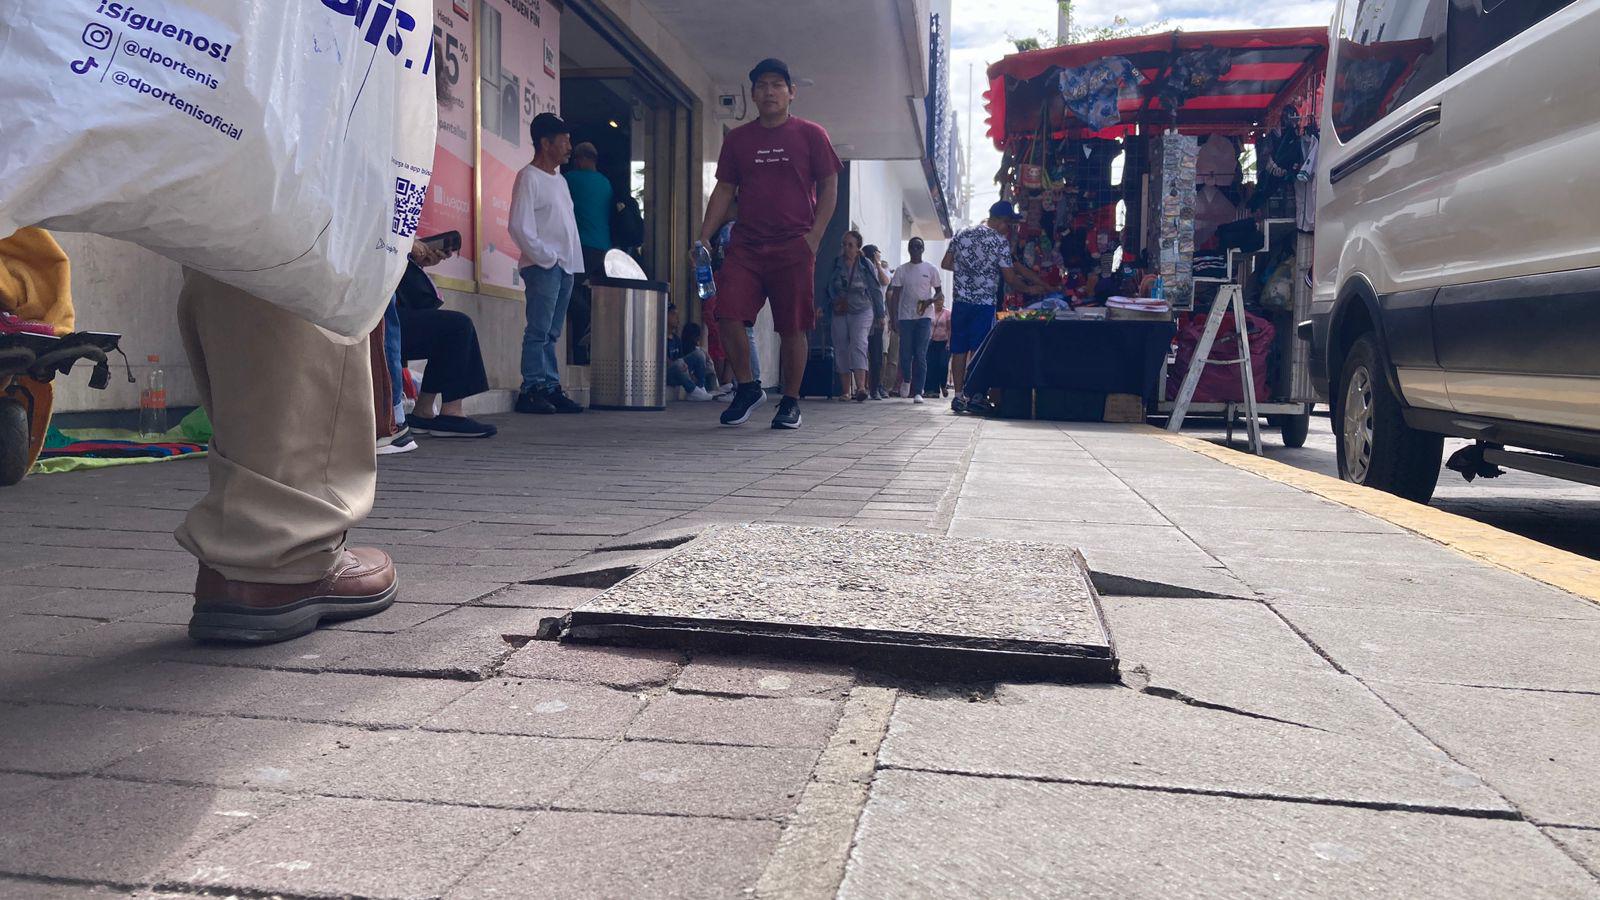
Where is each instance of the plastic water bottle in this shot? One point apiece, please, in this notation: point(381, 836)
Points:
point(703, 279)
point(153, 401)
point(1159, 290)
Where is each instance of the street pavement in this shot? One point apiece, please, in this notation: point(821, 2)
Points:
point(1314, 702)
point(1563, 514)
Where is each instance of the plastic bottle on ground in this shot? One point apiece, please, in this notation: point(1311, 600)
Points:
point(153, 401)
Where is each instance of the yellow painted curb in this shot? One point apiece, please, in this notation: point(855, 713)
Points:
point(1512, 552)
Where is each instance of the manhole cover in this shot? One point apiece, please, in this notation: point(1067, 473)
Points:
point(906, 603)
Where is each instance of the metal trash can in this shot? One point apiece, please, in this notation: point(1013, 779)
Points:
point(628, 344)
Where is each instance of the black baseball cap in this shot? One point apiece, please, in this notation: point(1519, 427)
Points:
point(770, 66)
point(547, 125)
point(1003, 209)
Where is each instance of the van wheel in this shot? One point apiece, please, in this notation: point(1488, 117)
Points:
point(1376, 447)
point(1294, 428)
point(13, 442)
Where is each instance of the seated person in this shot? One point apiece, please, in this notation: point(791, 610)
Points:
point(449, 342)
point(688, 366)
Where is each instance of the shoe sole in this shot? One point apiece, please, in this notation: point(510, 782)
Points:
point(747, 414)
point(789, 426)
point(239, 625)
point(390, 450)
point(454, 434)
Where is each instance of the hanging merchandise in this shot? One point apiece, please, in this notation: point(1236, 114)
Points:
point(1191, 74)
point(1092, 91)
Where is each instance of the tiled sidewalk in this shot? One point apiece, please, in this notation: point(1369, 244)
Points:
point(1321, 704)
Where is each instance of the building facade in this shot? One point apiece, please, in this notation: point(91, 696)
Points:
point(654, 84)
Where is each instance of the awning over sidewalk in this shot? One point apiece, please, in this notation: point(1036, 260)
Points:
point(1266, 67)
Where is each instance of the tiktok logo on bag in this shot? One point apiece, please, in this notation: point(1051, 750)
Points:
point(376, 16)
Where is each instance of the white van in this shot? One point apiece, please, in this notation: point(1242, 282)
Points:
point(1457, 273)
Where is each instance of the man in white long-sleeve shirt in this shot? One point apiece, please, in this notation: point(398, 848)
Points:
point(546, 232)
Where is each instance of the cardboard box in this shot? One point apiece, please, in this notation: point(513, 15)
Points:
point(1124, 408)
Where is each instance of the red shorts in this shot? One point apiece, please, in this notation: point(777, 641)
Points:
point(784, 272)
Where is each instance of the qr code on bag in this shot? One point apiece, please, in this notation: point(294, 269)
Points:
point(408, 200)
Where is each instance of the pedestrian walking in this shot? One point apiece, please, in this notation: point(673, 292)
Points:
point(981, 259)
point(876, 338)
point(916, 295)
point(545, 229)
point(783, 173)
point(938, 384)
point(855, 306)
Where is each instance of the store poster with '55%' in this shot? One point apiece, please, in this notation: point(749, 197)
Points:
point(450, 194)
point(518, 59)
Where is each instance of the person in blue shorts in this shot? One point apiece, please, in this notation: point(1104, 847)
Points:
point(981, 259)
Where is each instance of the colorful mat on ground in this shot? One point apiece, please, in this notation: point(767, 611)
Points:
point(98, 448)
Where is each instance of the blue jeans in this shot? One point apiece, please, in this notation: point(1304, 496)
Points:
point(914, 337)
point(391, 353)
point(549, 293)
point(693, 370)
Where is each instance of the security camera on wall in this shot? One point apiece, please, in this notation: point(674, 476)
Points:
point(731, 103)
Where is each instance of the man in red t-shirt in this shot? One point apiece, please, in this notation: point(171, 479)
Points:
point(782, 171)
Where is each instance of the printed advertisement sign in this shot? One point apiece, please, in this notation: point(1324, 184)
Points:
point(518, 80)
point(450, 195)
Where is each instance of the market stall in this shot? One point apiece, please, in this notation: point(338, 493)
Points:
point(1150, 171)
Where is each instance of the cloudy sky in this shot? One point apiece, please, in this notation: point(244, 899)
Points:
point(981, 27)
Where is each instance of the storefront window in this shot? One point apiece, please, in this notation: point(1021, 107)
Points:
point(1478, 26)
point(1390, 52)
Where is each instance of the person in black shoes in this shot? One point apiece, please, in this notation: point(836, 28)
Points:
point(449, 342)
point(783, 173)
point(545, 229)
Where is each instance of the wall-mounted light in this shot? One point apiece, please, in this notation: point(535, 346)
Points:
point(613, 123)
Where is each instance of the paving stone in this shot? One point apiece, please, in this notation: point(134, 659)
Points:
point(96, 604)
point(399, 617)
point(244, 753)
point(1583, 843)
point(1130, 511)
point(67, 740)
point(444, 591)
point(542, 708)
point(889, 599)
point(693, 779)
point(738, 676)
point(124, 641)
point(29, 632)
point(1536, 747)
point(1156, 540)
point(584, 855)
point(24, 889)
point(30, 676)
point(1463, 587)
point(472, 769)
point(117, 831)
point(315, 652)
point(504, 622)
point(160, 686)
point(1182, 572)
point(627, 668)
point(1462, 649)
point(743, 721)
point(1026, 839)
point(14, 787)
point(367, 700)
point(468, 653)
point(539, 596)
point(333, 846)
point(1238, 654)
point(175, 582)
point(1117, 735)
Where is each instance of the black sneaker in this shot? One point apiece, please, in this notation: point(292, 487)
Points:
point(745, 401)
point(533, 401)
point(788, 414)
point(452, 427)
point(399, 442)
point(561, 402)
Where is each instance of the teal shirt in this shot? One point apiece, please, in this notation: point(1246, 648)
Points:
point(591, 204)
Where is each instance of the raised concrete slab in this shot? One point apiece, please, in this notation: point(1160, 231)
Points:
point(905, 603)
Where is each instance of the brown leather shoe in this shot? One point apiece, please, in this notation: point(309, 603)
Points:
point(364, 582)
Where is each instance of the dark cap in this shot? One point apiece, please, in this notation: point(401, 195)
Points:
point(771, 66)
point(1004, 210)
point(547, 125)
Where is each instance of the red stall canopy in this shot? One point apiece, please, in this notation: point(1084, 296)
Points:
point(1269, 67)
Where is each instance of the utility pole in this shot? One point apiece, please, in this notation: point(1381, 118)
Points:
point(1064, 22)
point(970, 184)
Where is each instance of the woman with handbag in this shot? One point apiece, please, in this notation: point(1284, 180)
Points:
point(855, 301)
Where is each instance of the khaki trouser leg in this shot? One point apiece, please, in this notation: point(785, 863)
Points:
point(293, 462)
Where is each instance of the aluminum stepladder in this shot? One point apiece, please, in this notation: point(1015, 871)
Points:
point(1228, 295)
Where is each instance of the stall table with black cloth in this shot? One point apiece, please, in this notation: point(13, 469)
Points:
point(1085, 360)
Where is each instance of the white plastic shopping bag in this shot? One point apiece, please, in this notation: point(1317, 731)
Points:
point(281, 146)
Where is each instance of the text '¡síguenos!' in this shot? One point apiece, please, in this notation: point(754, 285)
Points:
point(129, 15)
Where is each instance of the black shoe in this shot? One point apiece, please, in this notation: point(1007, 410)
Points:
point(533, 401)
point(562, 403)
point(745, 401)
point(452, 427)
point(788, 414)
